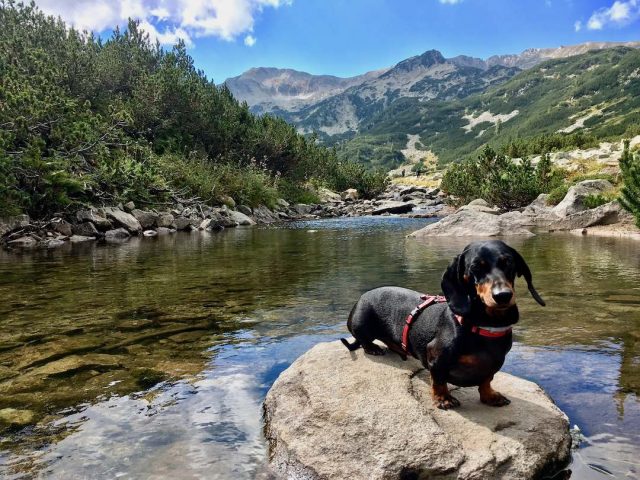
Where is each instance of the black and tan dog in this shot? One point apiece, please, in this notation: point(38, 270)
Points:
point(463, 341)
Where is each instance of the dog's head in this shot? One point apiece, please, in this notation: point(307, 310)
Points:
point(486, 272)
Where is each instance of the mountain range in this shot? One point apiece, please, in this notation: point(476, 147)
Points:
point(376, 110)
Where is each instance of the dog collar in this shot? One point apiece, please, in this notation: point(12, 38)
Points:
point(489, 332)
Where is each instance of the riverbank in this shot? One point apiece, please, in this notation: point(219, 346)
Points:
point(118, 223)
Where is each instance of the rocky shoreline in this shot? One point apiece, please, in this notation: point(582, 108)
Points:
point(115, 224)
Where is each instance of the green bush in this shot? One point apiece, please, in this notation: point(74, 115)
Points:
point(499, 180)
point(347, 174)
point(596, 200)
point(630, 193)
point(557, 194)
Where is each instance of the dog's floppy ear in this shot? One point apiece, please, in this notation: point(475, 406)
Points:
point(454, 289)
point(523, 271)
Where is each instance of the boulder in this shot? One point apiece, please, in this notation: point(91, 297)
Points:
point(244, 209)
point(129, 207)
point(302, 208)
point(23, 242)
point(228, 201)
point(327, 196)
point(123, 219)
point(97, 217)
point(473, 223)
point(350, 194)
point(164, 230)
point(480, 202)
point(86, 229)
point(165, 220)
point(116, 234)
point(340, 414)
point(62, 226)
point(606, 214)
point(147, 219)
point(282, 203)
point(241, 218)
point(480, 208)
point(573, 201)
point(14, 418)
point(412, 189)
point(183, 223)
point(393, 207)
point(80, 239)
point(9, 224)
point(263, 215)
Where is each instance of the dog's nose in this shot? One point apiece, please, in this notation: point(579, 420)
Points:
point(503, 297)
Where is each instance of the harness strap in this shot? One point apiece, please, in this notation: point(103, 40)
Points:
point(428, 301)
point(489, 332)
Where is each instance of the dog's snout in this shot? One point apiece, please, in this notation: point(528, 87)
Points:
point(502, 297)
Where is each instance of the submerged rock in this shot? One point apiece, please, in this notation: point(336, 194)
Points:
point(23, 242)
point(14, 418)
point(340, 414)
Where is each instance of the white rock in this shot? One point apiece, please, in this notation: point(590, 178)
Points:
point(573, 201)
point(465, 223)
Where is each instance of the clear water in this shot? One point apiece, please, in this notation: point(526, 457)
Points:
point(151, 359)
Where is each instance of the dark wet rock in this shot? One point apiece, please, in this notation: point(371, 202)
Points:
point(117, 234)
point(23, 242)
point(165, 220)
point(473, 223)
point(81, 239)
point(263, 215)
point(95, 216)
point(124, 220)
point(147, 219)
point(244, 209)
point(183, 223)
point(61, 226)
point(86, 229)
point(241, 218)
point(412, 189)
point(573, 202)
point(11, 418)
point(393, 207)
point(339, 414)
point(10, 224)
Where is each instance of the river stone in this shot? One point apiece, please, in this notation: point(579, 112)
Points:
point(54, 242)
point(164, 230)
point(350, 194)
point(147, 219)
point(165, 220)
point(340, 414)
point(325, 195)
point(23, 242)
point(480, 202)
point(573, 201)
point(245, 209)
point(86, 229)
point(80, 239)
point(480, 208)
point(473, 223)
point(302, 208)
point(606, 214)
point(129, 206)
point(97, 217)
point(241, 218)
point(123, 219)
point(393, 207)
point(9, 224)
point(63, 227)
point(77, 363)
point(11, 417)
point(117, 234)
point(183, 223)
point(263, 215)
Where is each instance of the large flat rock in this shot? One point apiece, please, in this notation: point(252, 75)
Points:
point(340, 414)
point(468, 223)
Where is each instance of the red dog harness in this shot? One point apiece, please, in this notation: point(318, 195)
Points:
point(489, 332)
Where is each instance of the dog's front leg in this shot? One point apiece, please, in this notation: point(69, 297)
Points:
point(437, 361)
point(489, 396)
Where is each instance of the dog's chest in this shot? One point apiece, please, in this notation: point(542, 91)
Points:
point(473, 368)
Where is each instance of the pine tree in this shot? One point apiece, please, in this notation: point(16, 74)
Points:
point(630, 194)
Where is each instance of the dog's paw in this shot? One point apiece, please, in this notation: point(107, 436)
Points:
point(373, 349)
point(446, 403)
point(496, 400)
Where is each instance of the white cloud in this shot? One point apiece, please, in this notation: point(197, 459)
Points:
point(166, 20)
point(577, 26)
point(249, 40)
point(620, 13)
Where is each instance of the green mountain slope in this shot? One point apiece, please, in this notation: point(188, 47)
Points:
point(596, 94)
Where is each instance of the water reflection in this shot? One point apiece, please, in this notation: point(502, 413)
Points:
point(200, 326)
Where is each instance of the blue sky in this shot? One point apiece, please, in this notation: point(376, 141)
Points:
point(349, 37)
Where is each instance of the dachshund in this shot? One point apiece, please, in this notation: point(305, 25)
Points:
point(463, 338)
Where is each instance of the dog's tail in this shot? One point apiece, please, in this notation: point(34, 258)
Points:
point(351, 346)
